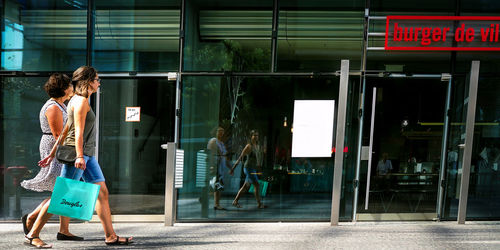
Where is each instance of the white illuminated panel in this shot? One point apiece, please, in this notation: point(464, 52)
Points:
point(313, 128)
point(179, 168)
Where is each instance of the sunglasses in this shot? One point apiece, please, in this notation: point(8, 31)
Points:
point(98, 80)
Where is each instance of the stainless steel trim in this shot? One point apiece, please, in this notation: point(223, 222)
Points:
point(128, 75)
point(339, 144)
point(377, 17)
point(358, 156)
point(469, 133)
point(177, 107)
point(444, 154)
point(379, 34)
point(170, 192)
point(97, 121)
point(438, 76)
point(372, 126)
point(375, 48)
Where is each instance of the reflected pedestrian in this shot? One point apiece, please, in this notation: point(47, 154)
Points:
point(218, 162)
point(253, 165)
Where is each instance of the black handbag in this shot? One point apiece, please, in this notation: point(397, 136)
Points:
point(66, 154)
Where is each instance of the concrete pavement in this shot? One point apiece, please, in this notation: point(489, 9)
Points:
point(361, 235)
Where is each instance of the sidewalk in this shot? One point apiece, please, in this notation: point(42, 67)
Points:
point(364, 235)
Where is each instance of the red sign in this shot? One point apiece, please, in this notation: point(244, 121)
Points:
point(445, 33)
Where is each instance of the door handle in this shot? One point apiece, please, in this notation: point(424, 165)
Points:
point(372, 126)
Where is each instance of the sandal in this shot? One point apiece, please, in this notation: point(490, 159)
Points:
point(29, 241)
point(236, 204)
point(218, 207)
point(118, 242)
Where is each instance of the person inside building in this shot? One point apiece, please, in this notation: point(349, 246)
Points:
point(218, 162)
point(384, 166)
point(82, 135)
point(252, 166)
point(52, 117)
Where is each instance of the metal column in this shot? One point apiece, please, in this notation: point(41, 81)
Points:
point(370, 148)
point(339, 144)
point(178, 110)
point(469, 133)
point(170, 192)
point(444, 152)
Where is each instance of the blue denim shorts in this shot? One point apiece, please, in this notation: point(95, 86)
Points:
point(92, 172)
point(251, 175)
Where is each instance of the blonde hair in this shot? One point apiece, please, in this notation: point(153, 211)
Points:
point(83, 78)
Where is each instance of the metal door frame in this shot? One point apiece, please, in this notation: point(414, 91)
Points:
point(442, 77)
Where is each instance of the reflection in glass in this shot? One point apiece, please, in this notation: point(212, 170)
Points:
point(20, 102)
point(484, 185)
point(43, 36)
point(232, 36)
point(297, 188)
point(137, 36)
point(129, 152)
point(456, 140)
point(318, 39)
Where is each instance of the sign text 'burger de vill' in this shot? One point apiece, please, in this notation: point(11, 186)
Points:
point(458, 33)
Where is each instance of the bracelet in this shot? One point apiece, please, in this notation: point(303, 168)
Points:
point(80, 157)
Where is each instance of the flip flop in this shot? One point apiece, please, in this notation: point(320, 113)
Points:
point(118, 242)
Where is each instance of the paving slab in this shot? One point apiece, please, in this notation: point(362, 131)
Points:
point(361, 235)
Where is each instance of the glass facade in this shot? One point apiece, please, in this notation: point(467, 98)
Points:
point(240, 66)
point(298, 188)
point(228, 36)
point(43, 35)
point(316, 35)
point(136, 36)
point(129, 153)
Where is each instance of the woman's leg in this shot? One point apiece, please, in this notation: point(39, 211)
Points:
point(256, 192)
point(216, 199)
point(34, 214)
point(103, 210)
point(40, 221)
point(64, 226)
point(104, 213)
point(242, 190)
point(93, 174)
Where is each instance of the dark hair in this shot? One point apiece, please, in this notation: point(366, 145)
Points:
point(213, 132)
point(56, 85)
point(252, 133)
point(82, 78)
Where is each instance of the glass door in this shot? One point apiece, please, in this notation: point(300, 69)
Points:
point(403, 130)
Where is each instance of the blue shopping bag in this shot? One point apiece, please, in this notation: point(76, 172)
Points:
point(72, 198)
point(263, 188)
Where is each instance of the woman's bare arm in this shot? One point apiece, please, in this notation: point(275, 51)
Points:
point(47, 160)
point(245, 151)
point(80, 109)
point(55, 119)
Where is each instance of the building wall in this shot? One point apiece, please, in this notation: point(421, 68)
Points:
point(219, 38)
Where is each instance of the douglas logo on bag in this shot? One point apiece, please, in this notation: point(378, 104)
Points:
point(71, 204)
